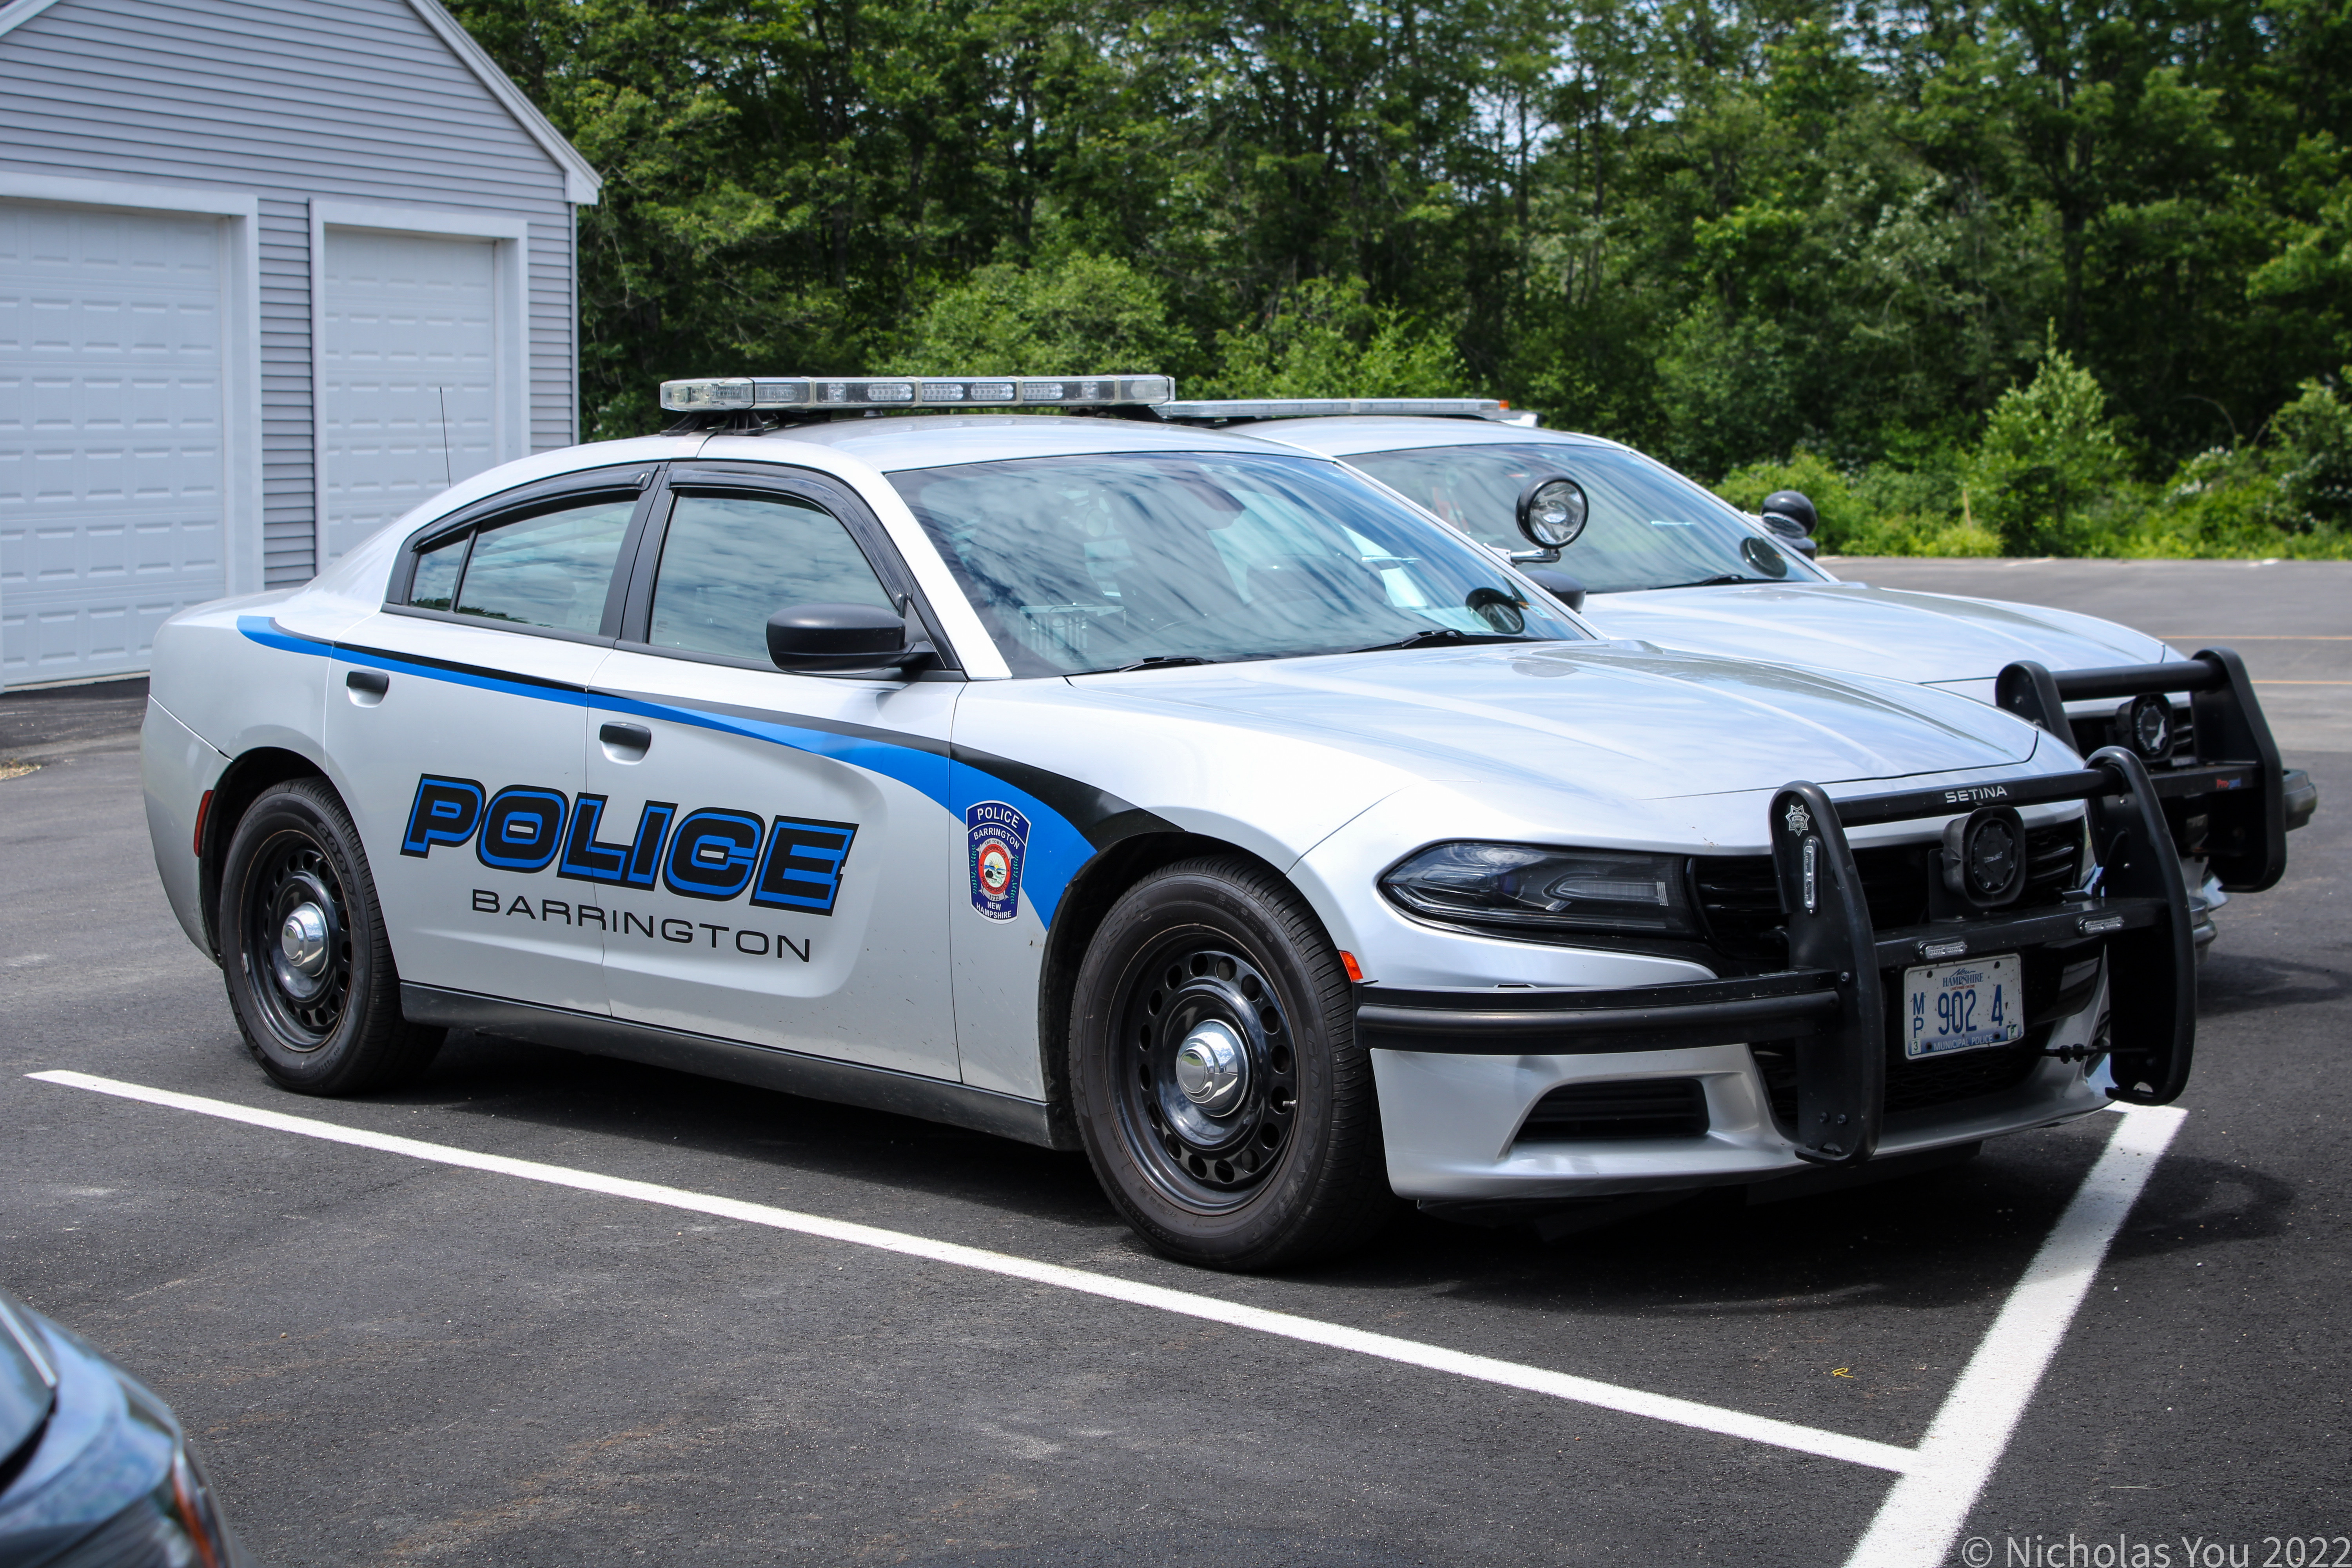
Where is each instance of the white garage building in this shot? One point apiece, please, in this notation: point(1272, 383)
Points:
point(272, 272)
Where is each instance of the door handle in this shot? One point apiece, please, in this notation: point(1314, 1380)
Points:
point(625, 742)
point(375, 681)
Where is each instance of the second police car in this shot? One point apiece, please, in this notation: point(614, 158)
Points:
point(1176, 796)
point(1665, 559)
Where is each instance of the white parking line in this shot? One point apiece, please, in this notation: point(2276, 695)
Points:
point(1914, 1525)
point(1925, 1510)
point(1437, 1358)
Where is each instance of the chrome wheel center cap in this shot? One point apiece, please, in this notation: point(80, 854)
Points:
point(1213, 1068)
point(303, 940)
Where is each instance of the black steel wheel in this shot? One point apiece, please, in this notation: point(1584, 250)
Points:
point(1214, 1096)
point(1218, 1086)
point(304, 951)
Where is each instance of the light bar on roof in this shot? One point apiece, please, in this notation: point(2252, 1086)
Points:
point(1328, 408)
point(809, 395)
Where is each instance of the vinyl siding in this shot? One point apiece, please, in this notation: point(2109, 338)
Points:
point(296, 100)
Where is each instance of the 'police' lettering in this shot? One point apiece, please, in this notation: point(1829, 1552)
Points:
point(791, 863)
point(802, 870)
point(446, 811)
point(521, 828)
point(712, 854)
point(587, 858)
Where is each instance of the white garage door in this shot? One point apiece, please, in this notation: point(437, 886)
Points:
point(408, 393)
point(112, 470)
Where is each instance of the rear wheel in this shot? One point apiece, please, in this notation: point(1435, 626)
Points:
point(1227, 1109)
point(303, 948)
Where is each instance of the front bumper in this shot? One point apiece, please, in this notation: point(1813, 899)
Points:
point(2227, 799)
point(1509, 1093)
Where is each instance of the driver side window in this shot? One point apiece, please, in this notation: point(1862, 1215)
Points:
point(728, 563)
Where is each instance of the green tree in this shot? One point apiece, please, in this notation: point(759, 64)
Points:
point(2050, 457)
point(1074, 313)
point(1326, 340)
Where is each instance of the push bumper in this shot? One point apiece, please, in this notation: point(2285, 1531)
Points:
point(1465, 1075)
point(2229, 801)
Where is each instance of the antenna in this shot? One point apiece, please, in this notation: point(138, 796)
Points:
point(445, 481)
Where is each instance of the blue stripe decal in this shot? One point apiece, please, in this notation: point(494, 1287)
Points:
point(924, 772)
point(1057, 848)
point(263, 630)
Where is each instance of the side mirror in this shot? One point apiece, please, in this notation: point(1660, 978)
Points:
point(1791, 518)
point(822, 640)
point(1552, 512)
point(1559, 584)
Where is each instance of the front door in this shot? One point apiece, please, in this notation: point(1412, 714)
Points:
point(773, 843)
point(456, 716)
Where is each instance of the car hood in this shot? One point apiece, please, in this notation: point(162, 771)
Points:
point(1623, 720)
point(1876, 631)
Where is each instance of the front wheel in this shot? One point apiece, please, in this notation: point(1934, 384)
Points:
point(1226, 1107)
point(304, 950)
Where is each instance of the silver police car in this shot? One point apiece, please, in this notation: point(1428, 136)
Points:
point(989, 752)
point(1664, 559)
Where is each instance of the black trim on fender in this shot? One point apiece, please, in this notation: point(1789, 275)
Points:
point(1637, 1018)
point(765, 1066)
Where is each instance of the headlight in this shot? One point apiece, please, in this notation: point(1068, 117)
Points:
point(1530, 890)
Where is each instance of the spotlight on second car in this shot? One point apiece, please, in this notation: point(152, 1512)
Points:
point(1552, 512)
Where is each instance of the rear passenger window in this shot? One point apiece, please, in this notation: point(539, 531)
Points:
point(435, 586)
point(551, 569)
point(731, 562)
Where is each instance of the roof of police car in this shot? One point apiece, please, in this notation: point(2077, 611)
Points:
point(895, 442)
point(1350, 434)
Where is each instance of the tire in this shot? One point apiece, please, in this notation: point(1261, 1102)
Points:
point(1273, 1155)
point(321, 1016)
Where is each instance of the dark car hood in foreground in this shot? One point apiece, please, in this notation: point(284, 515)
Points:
point(24, 1396)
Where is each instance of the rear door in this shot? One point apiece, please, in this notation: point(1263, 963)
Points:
point(456, 718)
point(777, 844)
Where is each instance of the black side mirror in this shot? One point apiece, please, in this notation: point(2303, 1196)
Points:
point(1791, 518)
point(822, 639)
point(1559, 584)
point(1792, 507)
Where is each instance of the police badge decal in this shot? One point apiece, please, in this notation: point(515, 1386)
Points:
point(998, 835)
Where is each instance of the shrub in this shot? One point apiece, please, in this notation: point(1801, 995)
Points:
point(1324, 339)
point(1069, 315)
point(2315, 450)
point(2050, 474)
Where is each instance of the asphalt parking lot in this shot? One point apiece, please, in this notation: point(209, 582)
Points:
point(453, 1359)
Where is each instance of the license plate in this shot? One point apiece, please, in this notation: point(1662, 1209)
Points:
point(1963, 1007)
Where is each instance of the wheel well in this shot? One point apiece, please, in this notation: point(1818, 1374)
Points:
point(1080, 913)
point(245, 779)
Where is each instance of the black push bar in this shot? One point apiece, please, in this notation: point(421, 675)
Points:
point(2228, 806)
point(2137, 903)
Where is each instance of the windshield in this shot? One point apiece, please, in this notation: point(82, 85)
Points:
point(1103, 562)
point(1650, 527)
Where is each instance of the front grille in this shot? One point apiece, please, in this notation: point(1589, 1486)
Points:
point(1741, 896)
point(1642, 1108)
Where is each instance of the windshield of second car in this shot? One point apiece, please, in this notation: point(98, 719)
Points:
point(1649, 528)
point(1102, 562)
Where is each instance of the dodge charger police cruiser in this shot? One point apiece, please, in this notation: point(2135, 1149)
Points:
point(1027, 765)
point(1665, 560)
